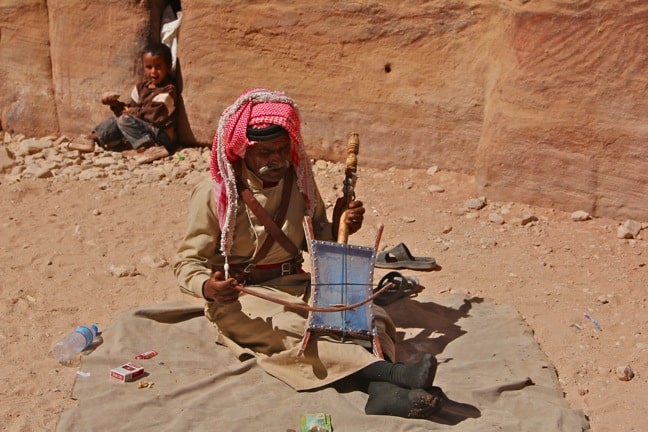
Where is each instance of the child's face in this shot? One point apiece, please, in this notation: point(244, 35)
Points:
point(155, 68)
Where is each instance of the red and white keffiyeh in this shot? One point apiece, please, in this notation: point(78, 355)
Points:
point(256, 107)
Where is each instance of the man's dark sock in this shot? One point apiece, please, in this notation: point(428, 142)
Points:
point(389, 399)
point(419, 375)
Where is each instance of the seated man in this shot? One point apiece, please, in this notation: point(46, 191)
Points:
point(259, 165)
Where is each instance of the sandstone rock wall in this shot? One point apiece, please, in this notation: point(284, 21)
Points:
point(543, 101)
point(566, 117)
point(26, 91)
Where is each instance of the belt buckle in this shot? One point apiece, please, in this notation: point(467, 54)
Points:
point(286, 268)
point(246, 274)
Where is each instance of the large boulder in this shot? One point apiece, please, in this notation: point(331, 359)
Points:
point(543, 101)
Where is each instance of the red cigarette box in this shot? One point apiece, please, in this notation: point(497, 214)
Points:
point(127, 372)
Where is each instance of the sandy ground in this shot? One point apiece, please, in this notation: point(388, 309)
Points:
point(64, 242)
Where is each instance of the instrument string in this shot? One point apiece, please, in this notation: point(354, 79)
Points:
point(345, 290)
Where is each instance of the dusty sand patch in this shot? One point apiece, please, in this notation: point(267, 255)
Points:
point(60, 239)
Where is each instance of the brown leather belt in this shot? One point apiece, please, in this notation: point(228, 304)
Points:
point(252, 274)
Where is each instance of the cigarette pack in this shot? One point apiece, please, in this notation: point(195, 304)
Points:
point(127, 372)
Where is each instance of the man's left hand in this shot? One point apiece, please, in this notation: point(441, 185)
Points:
point(353, 217)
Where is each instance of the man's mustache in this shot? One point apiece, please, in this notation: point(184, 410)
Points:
point(273, 167)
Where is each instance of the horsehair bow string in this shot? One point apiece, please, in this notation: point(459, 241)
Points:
point(307, 308)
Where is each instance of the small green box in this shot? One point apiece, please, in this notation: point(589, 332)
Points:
point(319, 422)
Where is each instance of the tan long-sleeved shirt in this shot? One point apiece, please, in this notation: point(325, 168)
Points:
point(199, 251)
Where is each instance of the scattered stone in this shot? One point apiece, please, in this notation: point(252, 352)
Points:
point(436, 189)
point(629, 229)
point(17, 138)
point(48, 157)
point(603, 300)
point(35, 170)
point(92, 174)
point(446, 229)
point(104, 161)
point(432, 170)
point(580, 215)
point(122, 271)
point(154, 262)
point(475, 203)
point(7, 160)
point(32, 146)
point(524, 220)
point(153, 175)
point(625, 373)
point(528, 219)
point(488, 243)
point(408, 219)
point(496, 218)
point(60, 140)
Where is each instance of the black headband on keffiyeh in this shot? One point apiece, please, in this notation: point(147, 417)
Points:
point(258, 109)
point(256, 133)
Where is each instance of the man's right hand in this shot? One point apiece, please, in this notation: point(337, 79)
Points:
point(110, 98)
point(220, 290)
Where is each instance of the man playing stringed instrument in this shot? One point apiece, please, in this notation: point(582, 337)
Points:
point(245, 229)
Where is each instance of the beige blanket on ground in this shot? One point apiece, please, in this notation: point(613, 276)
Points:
point(491, 369)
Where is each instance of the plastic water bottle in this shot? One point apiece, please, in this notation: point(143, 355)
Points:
point(67, 348)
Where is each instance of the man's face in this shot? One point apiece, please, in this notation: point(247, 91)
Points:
point(155, 68)
point(270, 160)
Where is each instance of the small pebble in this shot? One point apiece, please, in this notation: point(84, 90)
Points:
point(626, 374)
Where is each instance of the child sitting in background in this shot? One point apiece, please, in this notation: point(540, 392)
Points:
point(145, 126)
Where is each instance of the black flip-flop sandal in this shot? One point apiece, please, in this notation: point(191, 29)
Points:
point(402, 287)
point(400, 257)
